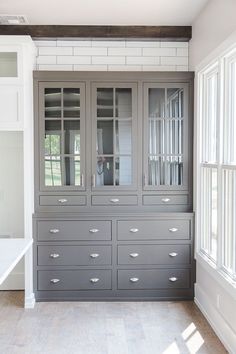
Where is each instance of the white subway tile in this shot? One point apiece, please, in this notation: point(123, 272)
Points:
point(124, 67)
point(90, 51)
point(182, 68)
point(56, 67)
point(46, 59)
point(90, 67)
point(182, 52)
point(143, 60)
point(168, 52)
point(64, 59)
point(55, 51)
point(174, 44)
point(75, 43)
point(159, 68)
point(143, 44)
point(108, 43)
point(125, 51)
point(108, 60)
point(51, 43)
point(174, 60)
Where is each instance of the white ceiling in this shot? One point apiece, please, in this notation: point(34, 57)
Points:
point(105, 12)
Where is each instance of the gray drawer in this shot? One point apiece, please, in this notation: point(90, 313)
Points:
point(74, 255)
point(166, 199)
point(71, 230)
point(74, 279)
point(154, 254)
point(154, 279)
point(154, 229)
point(114, 200)
point(60, 200)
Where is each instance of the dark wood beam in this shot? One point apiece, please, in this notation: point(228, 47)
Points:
point(176, 33)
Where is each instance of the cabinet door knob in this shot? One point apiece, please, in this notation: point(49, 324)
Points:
point(173, 254)
point(94, 255)
point(114, 200)
point(54, 231)
point(93, 231)
point(173, 229)
point(62, 200)
point(173, 279)
point(165, 200)
point(134, 280)
point(54, 255)
point(133, 230)
point(134, 255)
point(54, 281)
point(94, 280)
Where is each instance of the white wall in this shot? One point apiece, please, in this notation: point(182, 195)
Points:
point(214, 24)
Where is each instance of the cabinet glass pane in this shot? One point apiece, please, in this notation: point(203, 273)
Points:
point(105, 137)
point(71, 102)
point(123, 136)
point(156, 103)
point(156, 137)
point(8, 64)
point(104, 171)
point(105, 102)
point(165, 170)
point(53, 176)
point(52, 140)
point(175, 102)
point(123, 102)
point(72, 137)
point(174, 137)
point(72, 171)
point(123, 171)
point(52, 102)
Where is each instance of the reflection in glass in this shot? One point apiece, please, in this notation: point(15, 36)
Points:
point(72, 136)
point(175, 102)
point(72, 171)
point(52, 140)
point(53, 171)
point(214, 218)
point(105, 137)
point(104, 171)
point(8, 64)
point(123, 174)
point(123, 103)
point(123, 136)
point(105, 102)
point(174, 137)
point(156, 137)
point(71, 102)
point(156, 102)
point(52, 102)
point(165, 170)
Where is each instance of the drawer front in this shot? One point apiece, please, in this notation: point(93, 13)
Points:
point(154, 229)
point(154, 279)
point(71, 230)
point(59, 200)
point(165, 199)
point(74, 255)
point(114, 200)
point(154, 254)
point(74, 279)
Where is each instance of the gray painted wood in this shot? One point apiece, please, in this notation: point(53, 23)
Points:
point(114, 200)
point(165, 199)
point(62, 200)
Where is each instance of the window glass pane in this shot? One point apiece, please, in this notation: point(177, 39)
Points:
point(175, 102)
point(165, 170)
point(72, 136)
point(53, 171)
point(123, 171)
point(156, 137)
point(52, 102)
point(230, 144)
point(8, 64)
point(71, 102)
point(104, 171)
point(123, 102)
point(72, 171)
point(174, 136)
point(52, 140)
point(123, 136)
point(105, 137)
point(105, 102)
point(156, 97)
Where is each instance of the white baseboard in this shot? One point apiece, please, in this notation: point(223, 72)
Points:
point(15, 281)
point(30, 301)
point(217, 322)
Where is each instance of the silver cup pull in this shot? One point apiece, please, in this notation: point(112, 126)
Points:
point(94, 280)
point(54, 281)
point(173, 279)
point(133, 230)
point(94, 255)
point(173, 229)
point(54, 231)
point(54, 255)
point(165, 200)
point(173, 254)
point(134, 280)
point(114, 200)
point(62, 200)
point(134, 255)
point(93, 231)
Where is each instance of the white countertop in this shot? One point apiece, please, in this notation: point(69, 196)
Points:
point(11, 252)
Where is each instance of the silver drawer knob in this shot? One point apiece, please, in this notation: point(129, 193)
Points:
point(54, 231)
point(133, 230)
point(134, 255)
point(54, 281)
point(54, 255)
point(134, 280)
point(173, 229)
point(165, 200)
point(173, 254)
point(114, 200)
point(94, 255)
point(94, 280)
point(63, 200)
point(173, 279)
point(93, 231)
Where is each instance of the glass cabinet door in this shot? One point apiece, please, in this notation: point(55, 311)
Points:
point(166, 130)
point(62, 143)
point(114, 112)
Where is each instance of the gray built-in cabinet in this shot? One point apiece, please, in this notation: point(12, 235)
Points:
point(113, 186)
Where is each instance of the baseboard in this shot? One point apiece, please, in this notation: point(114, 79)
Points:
point(30, 301)
point(15, 281)
point(217, 322)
